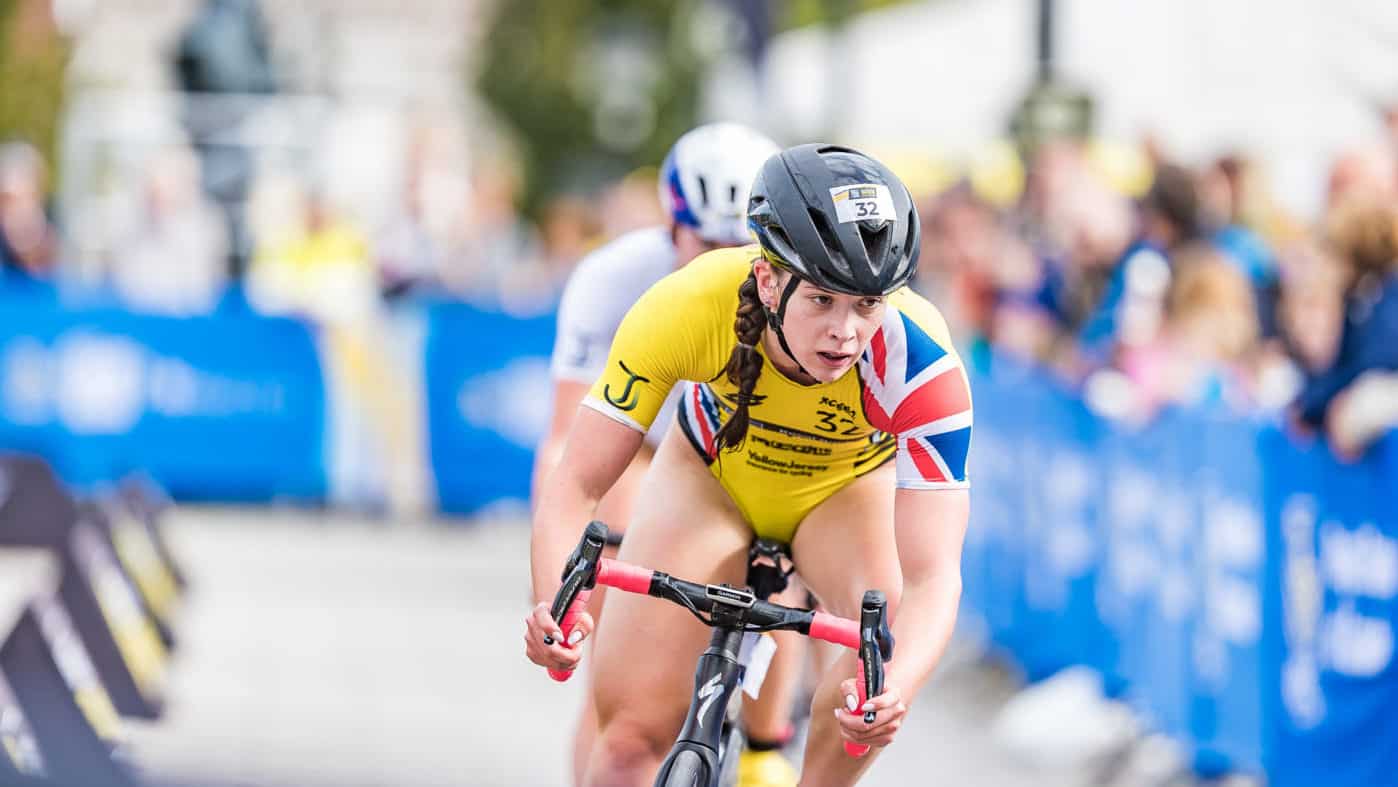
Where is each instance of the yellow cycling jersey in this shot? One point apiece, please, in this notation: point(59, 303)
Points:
point(906, 397)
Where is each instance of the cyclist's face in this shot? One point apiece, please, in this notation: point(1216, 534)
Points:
point(827, 331)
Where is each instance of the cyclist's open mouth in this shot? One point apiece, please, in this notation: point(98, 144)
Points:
point(835, 360)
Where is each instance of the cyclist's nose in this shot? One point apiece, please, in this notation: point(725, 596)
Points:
point(845, 327)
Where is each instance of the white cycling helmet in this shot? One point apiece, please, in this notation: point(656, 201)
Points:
point(706, 176)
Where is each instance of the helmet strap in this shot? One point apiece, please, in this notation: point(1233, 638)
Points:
point(775, 317)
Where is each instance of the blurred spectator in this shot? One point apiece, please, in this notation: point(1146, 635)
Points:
point(960, 240)
point(407, 254)
point(491, 237)
point(1364, 234)
point(1203, 350)
point(1231, 201)
point(629, 204)
point(1130, 311)
point(319, 270)
point(171, 260)
point(1310, 311)
point(222, 59)
point(410, 250)
point(28, 243)
point(1367, 173)
point(568, 231)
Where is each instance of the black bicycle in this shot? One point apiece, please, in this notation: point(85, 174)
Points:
point(705, 753)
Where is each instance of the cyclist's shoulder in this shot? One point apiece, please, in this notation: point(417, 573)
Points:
point(718, 271)
point(607, 281)
point(913, 373)
point(912, 314)
point(707, 286)
point(643, 255)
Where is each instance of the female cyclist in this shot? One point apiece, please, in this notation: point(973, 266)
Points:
point(836, 369)
point(704, 183)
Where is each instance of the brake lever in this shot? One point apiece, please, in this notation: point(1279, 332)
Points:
point(875, 645)
point(579, 578)
point(580, 570)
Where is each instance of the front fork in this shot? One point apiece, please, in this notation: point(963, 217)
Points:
point(718, 675)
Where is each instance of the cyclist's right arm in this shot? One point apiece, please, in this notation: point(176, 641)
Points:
point(597, 451)
point(656, 345)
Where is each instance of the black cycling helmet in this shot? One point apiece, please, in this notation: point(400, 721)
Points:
point(836, 218)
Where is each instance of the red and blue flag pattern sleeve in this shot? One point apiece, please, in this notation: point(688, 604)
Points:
point(916, 389)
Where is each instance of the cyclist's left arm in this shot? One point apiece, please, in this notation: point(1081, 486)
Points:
point(929, 527)
point(932, 417)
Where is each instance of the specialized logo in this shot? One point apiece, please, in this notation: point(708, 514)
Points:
point(630, 397)
point(708, 693)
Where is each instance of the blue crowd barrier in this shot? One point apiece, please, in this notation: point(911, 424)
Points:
point(226, 407)
point(1236, 589)
point(488, 395)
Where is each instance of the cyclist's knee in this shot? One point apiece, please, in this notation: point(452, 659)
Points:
point(627, 747)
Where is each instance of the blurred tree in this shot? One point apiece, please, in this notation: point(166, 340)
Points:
point(593, 88)
point(33, 64)
point(800, 13)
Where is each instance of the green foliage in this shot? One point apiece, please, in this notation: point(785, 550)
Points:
point(33, 62)
point(540, 67)
point(544, 75)
point(799, 13)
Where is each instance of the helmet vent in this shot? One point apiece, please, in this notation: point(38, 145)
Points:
point(876, 239)
point(829, 239)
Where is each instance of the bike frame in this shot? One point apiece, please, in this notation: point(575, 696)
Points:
point(718, 674)
point(732, 613)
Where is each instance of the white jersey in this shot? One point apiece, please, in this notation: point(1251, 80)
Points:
point(599, 293)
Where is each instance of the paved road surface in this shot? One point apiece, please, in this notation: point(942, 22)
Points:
point(320, 651)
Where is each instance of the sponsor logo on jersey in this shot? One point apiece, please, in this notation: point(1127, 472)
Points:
point(839, 406)
point(756, 399)
point(630, 396)
point(780, 445)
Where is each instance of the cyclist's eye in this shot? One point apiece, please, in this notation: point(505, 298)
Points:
point(821, 300)
point(869, 304)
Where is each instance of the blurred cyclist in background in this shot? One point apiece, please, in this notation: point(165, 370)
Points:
point(704, 184)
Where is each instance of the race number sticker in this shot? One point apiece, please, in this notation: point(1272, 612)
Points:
point(863, 202)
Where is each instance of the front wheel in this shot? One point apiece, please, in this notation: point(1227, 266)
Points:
point(687, 769)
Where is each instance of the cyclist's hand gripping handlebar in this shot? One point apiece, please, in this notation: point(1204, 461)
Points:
point(875, 647)
point(579, 578)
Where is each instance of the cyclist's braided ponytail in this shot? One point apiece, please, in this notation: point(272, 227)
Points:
point(744, 364)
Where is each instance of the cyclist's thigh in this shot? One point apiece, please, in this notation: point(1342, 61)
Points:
point(646, 649)
point(845, 545)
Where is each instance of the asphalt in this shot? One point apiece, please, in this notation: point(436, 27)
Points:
point(319, 650)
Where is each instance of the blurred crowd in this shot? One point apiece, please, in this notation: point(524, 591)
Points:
point(1196, 290)
point(1172, 286)
point(168, 246)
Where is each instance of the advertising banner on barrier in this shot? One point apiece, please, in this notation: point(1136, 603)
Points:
point(1244, 588)
point(229, 407)
point(1335, 608)
point(488, 403)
